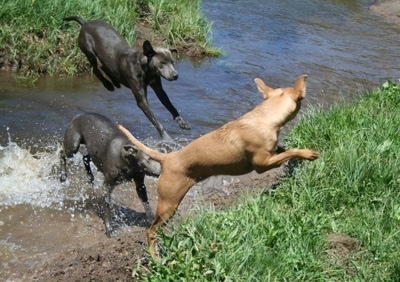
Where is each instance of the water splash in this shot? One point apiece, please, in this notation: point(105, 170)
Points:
point(27, 177)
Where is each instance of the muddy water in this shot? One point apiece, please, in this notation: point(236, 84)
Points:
point(341, 45)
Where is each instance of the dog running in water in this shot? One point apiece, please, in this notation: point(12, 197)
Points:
point(112, 153)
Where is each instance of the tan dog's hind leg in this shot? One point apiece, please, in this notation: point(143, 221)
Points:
point(263, 164)
point(171, 190)
point(165, 210)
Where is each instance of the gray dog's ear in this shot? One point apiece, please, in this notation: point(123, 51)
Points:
point(148, 50)
point(174, 52)
point(130, 150)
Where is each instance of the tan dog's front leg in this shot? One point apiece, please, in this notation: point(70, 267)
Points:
point(278, 159)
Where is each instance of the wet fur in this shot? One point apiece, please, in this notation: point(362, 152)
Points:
point(112, 153)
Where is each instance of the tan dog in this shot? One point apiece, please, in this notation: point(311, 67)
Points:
point(238, 147)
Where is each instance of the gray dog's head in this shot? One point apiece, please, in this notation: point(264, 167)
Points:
point(161, 60)
point(145, 163)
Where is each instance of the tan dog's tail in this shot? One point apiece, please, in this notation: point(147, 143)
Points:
point(154, 154)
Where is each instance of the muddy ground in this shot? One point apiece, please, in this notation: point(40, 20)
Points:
point(113, 259)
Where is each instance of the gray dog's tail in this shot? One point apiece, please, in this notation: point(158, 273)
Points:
point(75, 18)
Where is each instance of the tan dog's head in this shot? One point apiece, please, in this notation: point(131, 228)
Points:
point(297, 93)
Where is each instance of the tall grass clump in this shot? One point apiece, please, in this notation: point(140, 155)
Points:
point(334, 219)
point(182, 21)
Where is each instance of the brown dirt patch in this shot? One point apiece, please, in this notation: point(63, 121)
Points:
point(342, 249)
point(111, 260)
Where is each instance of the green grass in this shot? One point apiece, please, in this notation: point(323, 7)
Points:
point(334, 219)
point(182, 21)
point(35, 40)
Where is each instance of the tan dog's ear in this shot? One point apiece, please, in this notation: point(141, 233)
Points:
point(300, 87)
point(262, 88)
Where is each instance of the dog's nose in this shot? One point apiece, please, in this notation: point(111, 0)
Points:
point(175, 77)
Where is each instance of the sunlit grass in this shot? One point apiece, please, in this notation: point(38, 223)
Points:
point(352, 192)
point(182, 21)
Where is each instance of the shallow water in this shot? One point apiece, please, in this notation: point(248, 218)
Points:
point(341, 45)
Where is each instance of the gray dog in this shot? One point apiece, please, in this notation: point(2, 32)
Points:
point(114, 63)
point(112, 153)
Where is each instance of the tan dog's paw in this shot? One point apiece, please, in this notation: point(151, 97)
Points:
point(310, 155)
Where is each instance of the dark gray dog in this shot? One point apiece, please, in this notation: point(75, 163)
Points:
point(112, 153)
point(114, 63)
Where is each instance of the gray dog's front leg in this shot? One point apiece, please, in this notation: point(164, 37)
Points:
point(107, 216)
point(144, 106)
point(149, 212)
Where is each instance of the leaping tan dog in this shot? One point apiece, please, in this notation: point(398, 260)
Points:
point(238, 147)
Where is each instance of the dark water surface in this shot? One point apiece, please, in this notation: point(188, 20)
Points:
point(341, 45)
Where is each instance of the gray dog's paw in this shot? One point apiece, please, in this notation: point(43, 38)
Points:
point(183, 124)
point(63, 177)
point(111, 232)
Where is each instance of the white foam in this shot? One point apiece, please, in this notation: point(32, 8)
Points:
point(27, 177)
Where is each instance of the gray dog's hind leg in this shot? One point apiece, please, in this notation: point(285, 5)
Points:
point(95, 63)
point(63, 166)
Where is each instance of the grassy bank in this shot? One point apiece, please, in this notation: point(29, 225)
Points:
point(34, 40)
point(335, 219)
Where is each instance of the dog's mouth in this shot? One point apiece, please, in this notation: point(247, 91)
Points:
point(171, 78)
point(168, 75)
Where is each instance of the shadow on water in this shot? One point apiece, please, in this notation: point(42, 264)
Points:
point(341, 45)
